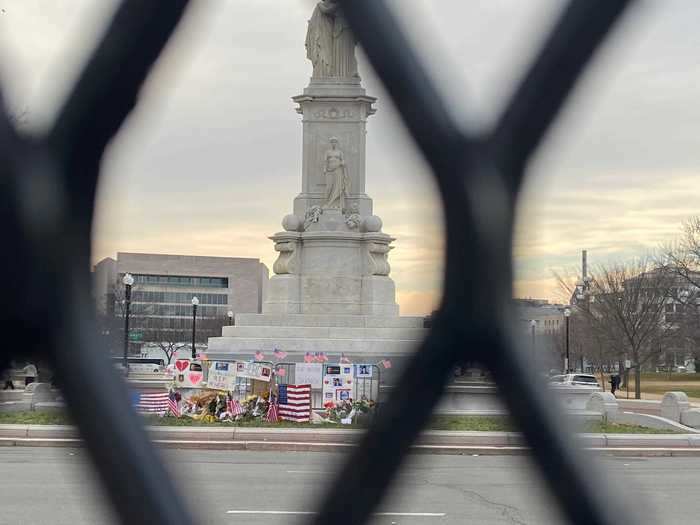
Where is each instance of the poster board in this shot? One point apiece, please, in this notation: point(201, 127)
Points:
point(338, 383)
point(309, 374)
point(189, 374)
point(222, 375)
point(256, 371)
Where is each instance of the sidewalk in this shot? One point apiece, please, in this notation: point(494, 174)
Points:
point(338, 440)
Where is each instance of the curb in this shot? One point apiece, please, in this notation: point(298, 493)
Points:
point(300, 446)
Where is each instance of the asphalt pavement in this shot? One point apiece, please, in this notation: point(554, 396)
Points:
point(57, 486)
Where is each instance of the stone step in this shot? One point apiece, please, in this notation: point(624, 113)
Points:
point(324, 332)
point(319, 320)
point(246, 346)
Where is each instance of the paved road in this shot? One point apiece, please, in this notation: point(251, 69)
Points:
point(56, 486)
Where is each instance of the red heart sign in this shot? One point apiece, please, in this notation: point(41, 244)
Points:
point(182, 364)
point(195, 377)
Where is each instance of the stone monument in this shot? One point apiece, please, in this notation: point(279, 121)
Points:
point(331, 291)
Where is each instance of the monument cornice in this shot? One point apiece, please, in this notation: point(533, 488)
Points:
point(334, 98)
point(287, 236)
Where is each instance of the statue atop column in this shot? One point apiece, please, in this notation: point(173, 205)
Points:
point(330, 45)
point(337, 179)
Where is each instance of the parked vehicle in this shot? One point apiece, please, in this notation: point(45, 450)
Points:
point(574, 380)
point(140, 365)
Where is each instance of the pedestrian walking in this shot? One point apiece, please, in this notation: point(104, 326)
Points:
point(614, 383)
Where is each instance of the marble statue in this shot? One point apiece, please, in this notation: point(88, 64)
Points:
point(330, 45)
point(337, 179)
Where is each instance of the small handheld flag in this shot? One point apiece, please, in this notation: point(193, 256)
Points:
point(272, 415)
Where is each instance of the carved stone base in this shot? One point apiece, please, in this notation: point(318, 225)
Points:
point(331, 271)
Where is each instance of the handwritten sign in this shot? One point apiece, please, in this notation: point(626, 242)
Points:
point(222, 375)
point(309, 374)
point(257, 371)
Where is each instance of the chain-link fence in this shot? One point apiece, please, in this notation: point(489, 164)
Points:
point(48, 188)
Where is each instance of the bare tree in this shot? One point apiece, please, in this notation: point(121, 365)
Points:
point(169, 340)
point(681, 259)
point(625, 314)
point(172, 334)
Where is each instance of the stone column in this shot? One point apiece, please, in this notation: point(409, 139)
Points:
point(333, 109)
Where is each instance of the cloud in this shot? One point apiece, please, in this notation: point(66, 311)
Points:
point(210, 161)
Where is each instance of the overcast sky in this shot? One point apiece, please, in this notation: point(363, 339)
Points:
point(211, 160)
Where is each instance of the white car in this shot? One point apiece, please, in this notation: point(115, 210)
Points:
point(574, 380)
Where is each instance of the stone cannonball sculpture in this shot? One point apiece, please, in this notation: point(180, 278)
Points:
point(372, 224)
point(291, 223)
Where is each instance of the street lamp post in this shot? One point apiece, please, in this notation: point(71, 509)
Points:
point(567, 314)
point(230, 317)
point(195, 302)
point(533, 325)
point(128, 281)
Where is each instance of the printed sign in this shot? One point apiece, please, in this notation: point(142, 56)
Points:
point(222, 375)
point(332, 370)
point(343, 394)
point(257, 371)
point(363, 370)
point(309, 374)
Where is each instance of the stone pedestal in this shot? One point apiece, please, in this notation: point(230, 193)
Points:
point(331, 291)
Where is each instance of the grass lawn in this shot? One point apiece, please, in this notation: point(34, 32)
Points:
point(598, 427)
point(662, 389)
point(663, 376)
point(35, 418)
point(471, 423)
point(477, 423)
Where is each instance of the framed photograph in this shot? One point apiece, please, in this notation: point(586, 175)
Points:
point(364, 370)
point(344, 394)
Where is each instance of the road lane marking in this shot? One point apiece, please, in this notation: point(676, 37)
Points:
point(307, 513)
point(420, 514)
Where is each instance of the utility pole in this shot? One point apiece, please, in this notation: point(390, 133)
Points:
point(567, 315)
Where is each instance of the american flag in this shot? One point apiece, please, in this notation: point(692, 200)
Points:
point(259, 356)
point(344, 360)
point(153, 402)
point(386, 363)
point(233, 407)
point(272, 415)
point(295, 402)
point(172, 405)
point(308, 357)
point(279, 354)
